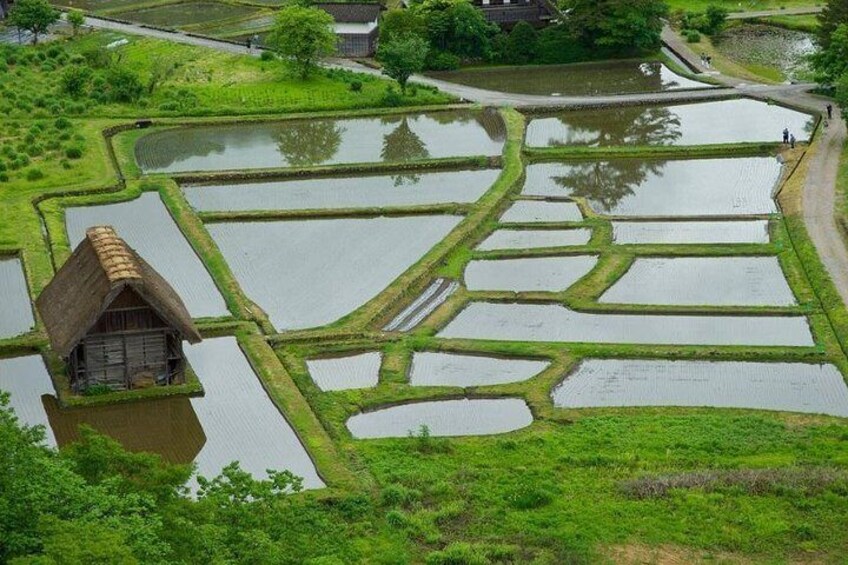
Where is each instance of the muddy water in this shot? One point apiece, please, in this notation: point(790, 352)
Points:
point(552, 274)
point(147, 227)
point(531, 211)
point(555, 323)
point(345, 373)
point(748, 231)
point(178, 15)
point(302, 143)
point(235, 420)
point(714, 281)
point(15, 309)
point(311, 273)
point(774, 47)
point(792, 387)
point(534, 239)
point(26, 380)
point(650, 188)
point(449, 369)
point(705, 123)
point(585, 79)
point(443, 418)
point(402, 189)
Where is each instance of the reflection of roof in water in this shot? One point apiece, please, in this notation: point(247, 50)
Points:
point(167, 426)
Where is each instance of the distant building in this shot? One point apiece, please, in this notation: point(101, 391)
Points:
point(113, 319)
point(356, 27)
point(507, 13)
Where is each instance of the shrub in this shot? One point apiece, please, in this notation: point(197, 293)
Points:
point(356, 86)
point(392, 97)
point(73, 152)
point(75, 80)
point(124, 85)
point(442, 61)
point(62, 123)
point(4, 177)
point(692, 36)
point(527, 496)
point(267, 56)
point(34, 174)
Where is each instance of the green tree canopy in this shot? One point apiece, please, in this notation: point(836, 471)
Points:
point(833, 14)
point(457, 27)
point(304, 36)
point(403, 57)
point(35, 16)
point(617, 27)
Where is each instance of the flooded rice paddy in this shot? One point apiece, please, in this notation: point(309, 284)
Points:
point(653, 188)
point(311, 273)
point(26, 380)
point(785, 50)
point(792, 387)
point(407, 188)
point(327, 141)
point(534, 239)
point(714, 281)
point(584, 79)
point(187, 13)
point(146, 225)
point(417, 311)
point(450, 369)
point(703, 123)
point(551, 274)
point(234, 420)
point(347, 372)
point(537, 211)
point(466, 417)
point(15, 309)
point(552, 322)
point(673, 233)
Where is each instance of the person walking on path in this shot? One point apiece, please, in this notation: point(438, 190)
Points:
point(830, 111)
point(785, 136)
point(792, 141)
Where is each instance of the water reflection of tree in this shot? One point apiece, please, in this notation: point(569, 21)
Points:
point(161, 150)
point(402, 145)
point(308, 143)
point(606, 183)
point(621, 126)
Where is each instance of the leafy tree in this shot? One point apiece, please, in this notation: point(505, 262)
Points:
point(304, 36)
point(124, 85)
point(396, 24)
point(403, 57)
point(76, 79)
point(831, 63)
point(833, 14)
point(35, 16)
point(617, 27)
point(521, 44)
point(457, 27)
point(160, 71)
point(716, 18)
point(76, 19)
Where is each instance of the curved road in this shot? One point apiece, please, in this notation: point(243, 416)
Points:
point(819, 200)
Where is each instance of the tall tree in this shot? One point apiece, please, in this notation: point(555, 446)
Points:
point(617, 27)
point(403, 57)
point(834, 13)
point(304, 36)
point(34, 16)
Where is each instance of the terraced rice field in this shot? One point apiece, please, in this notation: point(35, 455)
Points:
point(540, 212)
point(547, 274)
point(701, 232)
point(370, 191)
point(187, 14)
point(307, 143)
point(15, 309)
point(346, 372)
point(704, 123)
point(534, 239)
point(449, 369)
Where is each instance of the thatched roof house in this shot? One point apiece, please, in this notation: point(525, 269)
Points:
point(114, 319)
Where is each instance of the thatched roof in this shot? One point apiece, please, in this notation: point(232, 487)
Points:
point(100, 268)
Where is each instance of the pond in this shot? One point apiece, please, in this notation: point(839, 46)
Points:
point(792, 387)
point(404, 188)
point(654, 188)
point(704, 123)
point(583, 79)
point(528, 274)
point(693, 281)
point(309, 273)
point(346, 372)
point(539, 212)
point(555, 323)
point(673, 233)
point(465, 417)
point(147, 227)
point(322, 141)
point(186, 14)
point(15, 308)
point(234, 420)
point(451, 369)
point(771, 47)
point(534, 239)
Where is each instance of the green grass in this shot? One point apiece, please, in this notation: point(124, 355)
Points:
point(742, 6)
point(808, 23)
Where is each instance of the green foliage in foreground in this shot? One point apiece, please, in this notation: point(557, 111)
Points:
point(304, 36)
